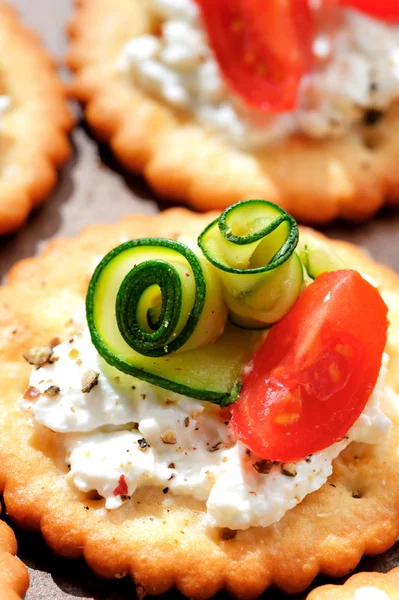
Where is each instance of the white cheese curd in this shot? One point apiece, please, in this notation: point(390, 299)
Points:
point(369, 592)
point(356, 67)
point(151, 436)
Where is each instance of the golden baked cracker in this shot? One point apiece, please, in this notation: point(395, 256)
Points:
point(316, 181)
point(154, 542)
point(33, 140)
point(14, 578)
point(373, 582)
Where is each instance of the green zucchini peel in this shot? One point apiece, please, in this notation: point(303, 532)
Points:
point(252, 246)
point(318, 257)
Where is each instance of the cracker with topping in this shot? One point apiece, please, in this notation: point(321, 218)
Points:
point(34, 123)
point(349, 177)
point(14, 579)
point(362, 586)
point(154, 537)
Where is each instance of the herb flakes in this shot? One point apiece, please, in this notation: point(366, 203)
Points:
point(52, 390)
point(289, 469)
point(143, 444)
point(215, 447)
point(263, 466)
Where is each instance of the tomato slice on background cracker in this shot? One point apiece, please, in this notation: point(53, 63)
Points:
point(263, 47)
point(311, 378)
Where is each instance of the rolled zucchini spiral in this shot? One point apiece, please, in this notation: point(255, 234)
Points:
point(163, 296)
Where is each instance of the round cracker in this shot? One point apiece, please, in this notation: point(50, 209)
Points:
point(388, 583)
point(14, 578)
point(33, 138)
point(316, 181)
point(154, 538)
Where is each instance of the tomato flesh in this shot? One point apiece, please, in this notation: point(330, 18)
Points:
point(311, 378)
point(263, 47)
point(381, 9)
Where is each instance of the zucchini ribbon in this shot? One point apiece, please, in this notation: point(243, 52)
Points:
point(252, 246)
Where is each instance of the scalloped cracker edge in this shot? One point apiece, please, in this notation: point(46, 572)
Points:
point(33, 138)
point(14, 578)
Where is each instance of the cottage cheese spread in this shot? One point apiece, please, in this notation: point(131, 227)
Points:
point(356, 68)
point(153, 437)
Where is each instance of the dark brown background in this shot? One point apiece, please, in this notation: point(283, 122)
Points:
point(93, 188)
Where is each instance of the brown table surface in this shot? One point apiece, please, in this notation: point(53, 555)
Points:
point(87, 184)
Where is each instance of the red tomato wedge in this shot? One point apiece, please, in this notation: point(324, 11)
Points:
point(314, 373)
point(381, 9)
point(263, 47)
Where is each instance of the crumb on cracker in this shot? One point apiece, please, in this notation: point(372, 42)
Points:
point(169, 437)
point(52, 390)
point(89, 380)
point(38, 356)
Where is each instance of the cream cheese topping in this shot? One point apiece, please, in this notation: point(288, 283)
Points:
point(356, 68)
point(124, 426)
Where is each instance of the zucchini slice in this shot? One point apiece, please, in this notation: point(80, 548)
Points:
point(252, 245)
point(155, 311)
point(317, 257)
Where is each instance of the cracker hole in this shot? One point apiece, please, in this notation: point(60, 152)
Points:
point(372, 116)
point(370, 143)
point(357, 494)
point(372, 140)
point(227, 534)
point(93, 495)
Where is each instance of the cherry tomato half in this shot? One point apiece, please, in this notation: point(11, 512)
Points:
point(311, 378)
point(381, 9)
point(263, 47)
